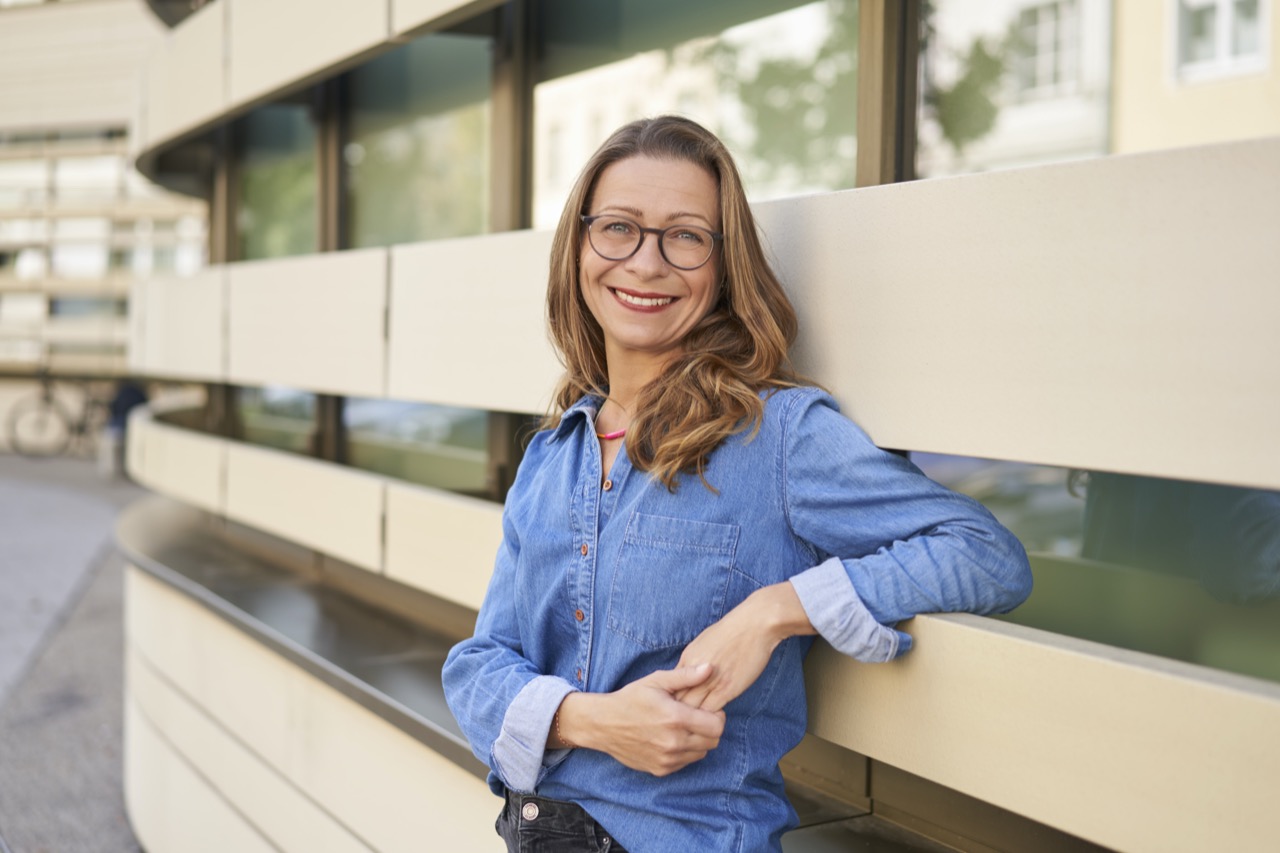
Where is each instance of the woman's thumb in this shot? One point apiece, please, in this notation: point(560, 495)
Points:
point(683, 677)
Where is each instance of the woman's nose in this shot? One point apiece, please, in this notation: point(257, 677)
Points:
point(648, 258)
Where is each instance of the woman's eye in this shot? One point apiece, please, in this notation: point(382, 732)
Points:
point(689, 237)
point(617, 227)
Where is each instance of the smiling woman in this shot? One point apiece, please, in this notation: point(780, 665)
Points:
point(686, 522)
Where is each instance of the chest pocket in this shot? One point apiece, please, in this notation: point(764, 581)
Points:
point(671, 579)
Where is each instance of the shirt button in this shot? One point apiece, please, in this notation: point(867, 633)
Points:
point(584, 549)
point(579, 615)
point(579, 673)
point(608, 484)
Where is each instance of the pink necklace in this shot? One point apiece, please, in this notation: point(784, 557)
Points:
point(610, 436)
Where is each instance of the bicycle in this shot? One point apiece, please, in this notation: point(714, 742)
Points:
point(41, 426)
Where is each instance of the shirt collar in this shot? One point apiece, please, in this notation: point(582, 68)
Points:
point(586, 407)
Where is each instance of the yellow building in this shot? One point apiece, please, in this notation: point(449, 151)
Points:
point(1194, 72)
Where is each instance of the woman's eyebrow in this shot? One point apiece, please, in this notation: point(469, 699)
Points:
point(639, 214)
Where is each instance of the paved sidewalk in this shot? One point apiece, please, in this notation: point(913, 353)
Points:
point(61, 642)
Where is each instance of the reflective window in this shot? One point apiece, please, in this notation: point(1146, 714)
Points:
point(1219, 35)
point(87, 306)
point(23, 183)
point(1180, 569)
point(441, 446)
point(277, 214)
point(416, 151)
point(88, 179)
point(775, 79)
point(279, 417)
point(1011, 83)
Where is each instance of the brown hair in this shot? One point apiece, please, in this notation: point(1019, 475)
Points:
point(712, 389)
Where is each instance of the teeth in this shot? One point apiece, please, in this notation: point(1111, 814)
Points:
point(642, 301)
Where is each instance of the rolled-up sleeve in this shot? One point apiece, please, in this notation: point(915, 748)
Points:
point(503, 704)
point(891, 542)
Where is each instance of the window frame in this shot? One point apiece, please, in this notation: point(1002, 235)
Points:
point(1223, 65)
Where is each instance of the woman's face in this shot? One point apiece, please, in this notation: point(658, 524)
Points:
point(644, 305)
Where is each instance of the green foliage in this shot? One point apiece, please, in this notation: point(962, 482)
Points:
point(967, 110)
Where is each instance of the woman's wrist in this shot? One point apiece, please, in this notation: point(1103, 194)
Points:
point(567, 730)
point(780, 611)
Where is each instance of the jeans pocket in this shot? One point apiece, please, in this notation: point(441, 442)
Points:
point(671, 579)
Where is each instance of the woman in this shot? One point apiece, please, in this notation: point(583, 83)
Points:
point(691, 516)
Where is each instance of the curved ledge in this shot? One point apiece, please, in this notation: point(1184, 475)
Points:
point(385, 664)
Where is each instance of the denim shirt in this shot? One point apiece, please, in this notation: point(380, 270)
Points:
point(598, 585)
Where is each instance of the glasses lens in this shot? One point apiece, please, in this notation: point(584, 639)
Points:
point(687, 246)
point(613, 237)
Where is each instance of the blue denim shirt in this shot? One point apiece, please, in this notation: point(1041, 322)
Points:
point(595, 587)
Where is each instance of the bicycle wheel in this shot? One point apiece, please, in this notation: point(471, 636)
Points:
point(39, 427)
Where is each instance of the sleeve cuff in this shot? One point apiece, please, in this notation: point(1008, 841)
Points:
point(840, 617)
point(520, 755)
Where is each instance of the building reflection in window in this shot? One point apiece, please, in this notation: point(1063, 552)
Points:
point(775, 79)
point(416, 151)
point(1011, 83)
point(276, 416)
point(1185, 570)
point(276, 215)
point(441, 446)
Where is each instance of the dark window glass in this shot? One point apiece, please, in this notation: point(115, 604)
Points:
point(1181, 569)
point(416, 152)
point(275, 416)
point(441, 446)
point(276, 215)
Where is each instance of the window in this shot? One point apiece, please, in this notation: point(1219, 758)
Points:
point(441, 446)
point(1180, 569)
point(275, 416)
point(1012, 83)
point(416, 152)
point(1217, 37)
point(1045, 49)
point(775, 79)
point(277, 213)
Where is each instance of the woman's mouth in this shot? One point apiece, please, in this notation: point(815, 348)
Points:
point(640, 301)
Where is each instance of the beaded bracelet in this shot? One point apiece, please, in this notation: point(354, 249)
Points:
point(568, 744)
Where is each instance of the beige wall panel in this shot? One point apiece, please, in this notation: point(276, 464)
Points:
point(276, 42)
point(69, 64)
point(183, 334)
point(1152, 108)
point(468, 324)
point(1116, 314)
point(319, 505)
point(373, 778)
point(408, 14)
point(181, 463)
point(267, 801)
point(171, 808)
point(1144, 754)
point(313, 322)
point(442, 543)
point(186, 76)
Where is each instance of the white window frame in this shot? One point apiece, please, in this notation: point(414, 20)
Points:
point(1223, 65)
point(1064, 85)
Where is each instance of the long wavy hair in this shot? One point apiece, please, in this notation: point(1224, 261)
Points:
point(711, 390)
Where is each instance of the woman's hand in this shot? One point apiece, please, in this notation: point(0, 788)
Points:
point(739, 646)
point(642, 725)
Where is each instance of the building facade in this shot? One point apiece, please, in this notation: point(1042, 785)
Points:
point(78, 224)
point(1080, 340)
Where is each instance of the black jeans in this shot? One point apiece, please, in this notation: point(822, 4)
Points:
point(531, 824)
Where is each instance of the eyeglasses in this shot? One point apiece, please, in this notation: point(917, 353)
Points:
point(685, 247)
